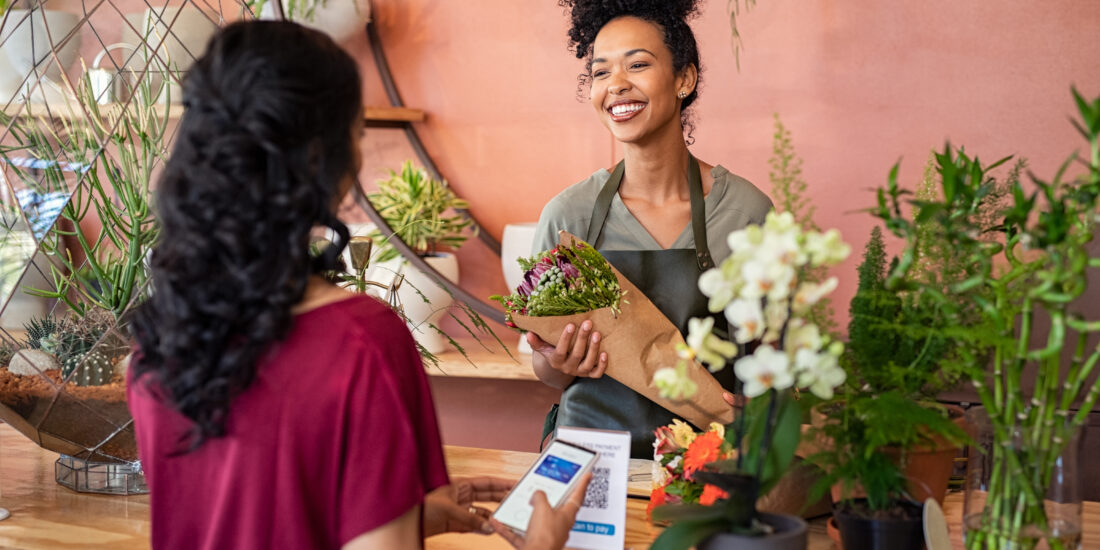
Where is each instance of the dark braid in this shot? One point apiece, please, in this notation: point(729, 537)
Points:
point(262, 150)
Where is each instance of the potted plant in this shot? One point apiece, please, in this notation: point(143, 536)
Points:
point(64, 386)
point(422, 212)
point(760, 289)
point(1035, 401)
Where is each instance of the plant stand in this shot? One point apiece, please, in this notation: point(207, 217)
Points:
point(105, 478)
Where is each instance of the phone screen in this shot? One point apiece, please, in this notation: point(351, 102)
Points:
point(555, 473)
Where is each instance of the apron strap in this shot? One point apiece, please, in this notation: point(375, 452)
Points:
point(603, 203)
point(698, 210)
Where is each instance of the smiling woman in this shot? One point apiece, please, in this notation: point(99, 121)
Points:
point(660, 216)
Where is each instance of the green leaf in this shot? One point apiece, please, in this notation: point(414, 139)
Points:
point(686, 534)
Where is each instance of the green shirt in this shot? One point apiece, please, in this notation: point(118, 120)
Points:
point(732, 204)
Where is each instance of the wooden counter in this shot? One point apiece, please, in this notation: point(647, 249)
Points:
point(46, 515)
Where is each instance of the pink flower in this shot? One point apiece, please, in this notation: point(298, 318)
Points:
point(569, 270)
point(531, 278)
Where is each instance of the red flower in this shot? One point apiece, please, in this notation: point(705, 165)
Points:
point(712, 493)
point(665, 442)
point(656, 498)
point(706, 448)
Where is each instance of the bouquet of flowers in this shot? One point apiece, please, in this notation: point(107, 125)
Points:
point(565, 280)
point(760, 289)
point(678, 453)
point(573, 283)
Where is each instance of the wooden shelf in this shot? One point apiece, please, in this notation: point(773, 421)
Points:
point(393, 114)
point(494, 363)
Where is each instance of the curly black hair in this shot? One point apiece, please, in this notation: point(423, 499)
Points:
point(672, 16)
point(263, 148)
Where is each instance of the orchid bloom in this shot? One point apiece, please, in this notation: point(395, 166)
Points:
point(748, 317)
point(709, 348)
point(765, 369)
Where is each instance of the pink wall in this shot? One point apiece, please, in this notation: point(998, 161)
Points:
point(860, 83)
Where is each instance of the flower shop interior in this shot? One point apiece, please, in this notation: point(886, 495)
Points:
point(911, 335)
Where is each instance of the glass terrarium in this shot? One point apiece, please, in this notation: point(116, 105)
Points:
point(90, 102)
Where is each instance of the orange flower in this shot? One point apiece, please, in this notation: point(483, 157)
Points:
point(656, 498)
point(706, 448)
point(712, 493)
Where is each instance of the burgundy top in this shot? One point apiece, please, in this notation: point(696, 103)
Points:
point(335, 437)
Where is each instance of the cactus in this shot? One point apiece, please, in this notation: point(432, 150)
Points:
point(72, 340)
point(91, 369)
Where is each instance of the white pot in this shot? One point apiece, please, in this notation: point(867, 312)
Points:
point(516, 243)
point(29, 37)
point(337, 18)
point(424, 312)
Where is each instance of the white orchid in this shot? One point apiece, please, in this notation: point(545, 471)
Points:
point(748, 317)
point(721, 287)
point(675, 383)
point(759, 290)
point(826, 248)
point(809, 294)
point(765, 369)
point(709, 348)
point(820, 372)
point(802, 336)
point(767, 278)
point(775, 318)
point(743, 242)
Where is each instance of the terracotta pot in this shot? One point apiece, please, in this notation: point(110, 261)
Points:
point(928, 468)
point(790, 534)
point(834, 532)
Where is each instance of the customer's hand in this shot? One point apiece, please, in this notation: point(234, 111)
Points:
point(451, 508)
point(549, 528)
point(577, 352)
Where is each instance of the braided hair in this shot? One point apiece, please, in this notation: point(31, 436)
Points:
point(263, 148)
point(588, 17)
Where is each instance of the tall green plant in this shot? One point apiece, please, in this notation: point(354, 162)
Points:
point(116, 152)
point(789, 190)
point(1038, 266)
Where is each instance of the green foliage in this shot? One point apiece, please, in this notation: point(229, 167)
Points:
point(39, 329)
point(119, 151)
point(414, 205)
point(1037, 264)
point(867, 433)
point(570, 279)
point(789, 190)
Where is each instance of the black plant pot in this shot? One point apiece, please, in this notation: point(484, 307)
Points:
point(858, 532)
point(790, 534)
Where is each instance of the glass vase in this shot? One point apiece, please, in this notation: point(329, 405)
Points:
point(1022, 486)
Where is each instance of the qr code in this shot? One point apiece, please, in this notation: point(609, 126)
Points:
point(596, 497)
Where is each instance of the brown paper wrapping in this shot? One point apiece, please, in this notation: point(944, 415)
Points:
point(638, 342)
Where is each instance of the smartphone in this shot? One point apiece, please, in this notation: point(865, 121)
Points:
point(556, 473)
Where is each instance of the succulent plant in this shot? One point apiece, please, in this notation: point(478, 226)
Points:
point(72, 340)
point(91, 369)
point(38, 329)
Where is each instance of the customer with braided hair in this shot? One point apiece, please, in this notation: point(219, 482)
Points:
point(660, 216)
point(272, 409)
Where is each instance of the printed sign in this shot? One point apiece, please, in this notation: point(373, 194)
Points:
point(601, 521)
